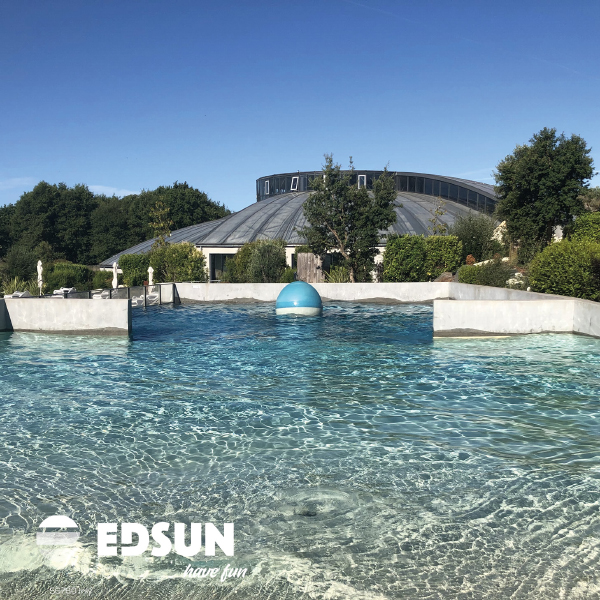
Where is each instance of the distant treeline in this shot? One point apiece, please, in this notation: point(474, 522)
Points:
point(57, 222)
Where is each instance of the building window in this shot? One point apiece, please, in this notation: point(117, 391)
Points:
point(294, 186)
point(362, 181)
point(217, 265)
point(266, 188)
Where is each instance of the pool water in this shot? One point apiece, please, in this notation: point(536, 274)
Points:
point(357, 456)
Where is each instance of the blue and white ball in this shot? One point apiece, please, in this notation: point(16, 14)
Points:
point(299, 298)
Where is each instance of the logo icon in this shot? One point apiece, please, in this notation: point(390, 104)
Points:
point(57, 530)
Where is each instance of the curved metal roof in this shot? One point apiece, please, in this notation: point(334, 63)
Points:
point(282, 215)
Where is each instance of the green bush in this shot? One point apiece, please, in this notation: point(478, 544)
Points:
point(236, 268)
point(68, 275)
point(494, 273)
point(262, 261)
point(443, 253)
point(20, 262)
point(102, 279)
point(135, 268)
point(405, 258)
point(178, 262)
point(418, 258)
point(585, 227)
point(267, 262)
point(475, 232)
point(288, 276)
point(568, 268)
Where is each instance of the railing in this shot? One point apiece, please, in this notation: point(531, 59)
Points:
point(140, 296)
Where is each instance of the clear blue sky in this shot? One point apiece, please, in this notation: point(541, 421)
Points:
point(135, 94)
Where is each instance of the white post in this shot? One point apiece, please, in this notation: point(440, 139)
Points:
point(150, 276)
point(115, 281)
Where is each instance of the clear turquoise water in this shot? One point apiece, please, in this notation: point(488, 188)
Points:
point(357, 456)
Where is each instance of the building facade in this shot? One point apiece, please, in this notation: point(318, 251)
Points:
point(277, 213)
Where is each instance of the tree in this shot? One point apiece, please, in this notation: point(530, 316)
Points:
point(540, 187)
point(161, 223)
point(82, 227)
point(591, 199)
point(438, 227)
point(346, 218)
point(475, 231)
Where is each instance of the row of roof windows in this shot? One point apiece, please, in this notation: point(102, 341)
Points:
point(282, 184)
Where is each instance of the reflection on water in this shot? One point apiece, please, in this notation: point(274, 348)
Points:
point(358, 457)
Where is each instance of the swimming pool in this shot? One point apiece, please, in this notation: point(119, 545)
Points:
point(357, 456)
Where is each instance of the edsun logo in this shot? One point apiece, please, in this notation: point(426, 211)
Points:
point(59, 530)
point(56, 530)
point(108, 532)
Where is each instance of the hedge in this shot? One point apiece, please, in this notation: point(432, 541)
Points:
point(263, 261)
point(135, 268)
point(178, 262)
point(67, 275)
point(568, 268)
point(494, 273)
point(418, 258)
point(443, 253)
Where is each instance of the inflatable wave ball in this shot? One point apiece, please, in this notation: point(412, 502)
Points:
point(299, 298)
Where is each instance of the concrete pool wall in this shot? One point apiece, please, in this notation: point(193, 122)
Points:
point(57, 315)
point(459, 309)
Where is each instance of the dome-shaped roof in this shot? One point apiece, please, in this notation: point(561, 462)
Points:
point(281, 216)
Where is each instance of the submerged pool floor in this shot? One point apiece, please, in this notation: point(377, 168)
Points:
point(357, 456)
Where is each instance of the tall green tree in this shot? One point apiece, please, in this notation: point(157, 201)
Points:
point(160, 223)
point(73, 224)
point(6, 214)
point(347, 218)
point(58, 215)
point(111, 230)
point(540, 186)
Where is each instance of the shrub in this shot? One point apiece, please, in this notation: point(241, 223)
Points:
point(236, 268)
point(178, 262)
point(404, 258)
point(471, 260)
point(494, 273)
point(585, 227)
point(267, 262)
point(443, 253)
point(102, 279)
point(475, 232)
point(568, 268)
point(135, 268)
point(288, 276)
point(337, 275)
point(20, 262)
point(68, 275)
point(418, 258)
point(16, 284)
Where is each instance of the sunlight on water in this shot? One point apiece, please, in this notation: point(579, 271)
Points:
point(357, 456)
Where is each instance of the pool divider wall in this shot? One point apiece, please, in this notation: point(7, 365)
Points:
point(351, 292)
point(76, 316)
point(459, 309)
point(457, 318)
